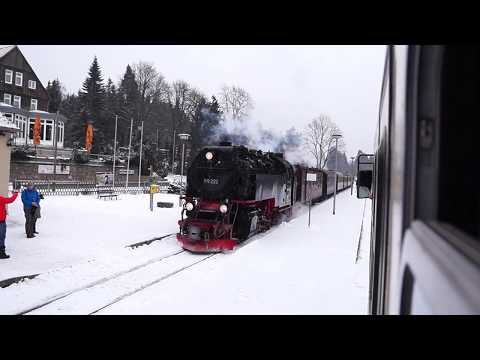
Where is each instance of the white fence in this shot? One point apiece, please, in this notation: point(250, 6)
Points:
point(71, 188)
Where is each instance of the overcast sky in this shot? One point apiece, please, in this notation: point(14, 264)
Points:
point(290, 85)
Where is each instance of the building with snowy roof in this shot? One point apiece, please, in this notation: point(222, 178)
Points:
point(6, 129)
point(23, 98)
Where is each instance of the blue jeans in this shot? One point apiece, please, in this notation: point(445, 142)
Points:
point(3, 234)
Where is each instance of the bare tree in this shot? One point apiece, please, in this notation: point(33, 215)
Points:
point(194, 99)
point(319, 138)
point(235, 101)
point(180, 91)
point(151, 87)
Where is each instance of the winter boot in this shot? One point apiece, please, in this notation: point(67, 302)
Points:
point(3, 255)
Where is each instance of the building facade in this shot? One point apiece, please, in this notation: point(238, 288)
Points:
point(6, 129)
point(23, 98)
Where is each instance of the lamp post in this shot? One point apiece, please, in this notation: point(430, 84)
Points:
point(55, 140)
point(128, 160)
point(353, 170)
point(173, 152)
point(164, 158)
point(114, 149)
point(185, 138)
point(140, 163)
point(336, 137)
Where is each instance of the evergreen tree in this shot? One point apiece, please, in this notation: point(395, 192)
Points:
point(127, 104)
point(205, 120)
point(128, 94)
point(93, 101)
point(55, 95)
point(215, 106)
point(108, 119)
point(74, 128)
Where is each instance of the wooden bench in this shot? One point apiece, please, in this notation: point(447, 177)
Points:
point(106, 193)
point(161, 204)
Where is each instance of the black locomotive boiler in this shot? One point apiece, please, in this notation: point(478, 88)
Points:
point(233, 193)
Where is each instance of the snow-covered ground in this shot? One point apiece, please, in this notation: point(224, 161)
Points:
point(75, 229)
point(85, 267)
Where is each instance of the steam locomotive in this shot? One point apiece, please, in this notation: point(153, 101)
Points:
point(234, 192)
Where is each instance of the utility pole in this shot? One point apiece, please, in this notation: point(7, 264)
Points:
point(114, 149)
point(140, 165)
point(183, 137)
point(336, 137)
point(129, 147)
point(351, 187)
point(55, 140)
point(173, 154)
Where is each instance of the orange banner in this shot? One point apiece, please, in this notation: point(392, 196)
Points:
point(89, 137)
point(36, 130)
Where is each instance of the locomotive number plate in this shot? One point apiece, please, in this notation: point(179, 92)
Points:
point(210, 181)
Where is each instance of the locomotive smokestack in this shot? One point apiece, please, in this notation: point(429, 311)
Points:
point(226, 143)
point(280, 155)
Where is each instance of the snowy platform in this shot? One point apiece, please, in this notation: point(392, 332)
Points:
point(85, 266)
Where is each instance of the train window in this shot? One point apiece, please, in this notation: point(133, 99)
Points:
point(365, 175)
point(458, 191)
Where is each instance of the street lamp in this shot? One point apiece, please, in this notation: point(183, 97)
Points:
point(185, 138)
point(353, 170)
point(336, 137)
point(115, 149)
point(129, 150)
point(141, 150)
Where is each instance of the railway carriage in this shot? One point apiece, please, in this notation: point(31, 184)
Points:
point(425, 242)
point(311, 184)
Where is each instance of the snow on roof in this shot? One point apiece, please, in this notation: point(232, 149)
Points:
point(40, 112)
point(7, 125)
point(5, 50)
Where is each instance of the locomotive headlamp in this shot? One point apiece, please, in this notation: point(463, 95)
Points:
point(223, 208)
point(209, 155)
point(189, 206)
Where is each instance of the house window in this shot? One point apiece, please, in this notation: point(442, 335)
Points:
point(17, 101)
point(33, 104)
point(7, 99)
point(20, 122)
point(60, 131)
point(8, 76)
point(32, 84)
point(18, 78)
point(9, 117)
point(31, 126)
point(48, 130)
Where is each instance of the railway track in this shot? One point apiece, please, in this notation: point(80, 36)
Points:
point(105, 279)
point(202, 258)
point(156, 281)
point(103, 293)
point(96, 296)
point(175, 272)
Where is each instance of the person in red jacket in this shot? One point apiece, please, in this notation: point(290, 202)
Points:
point(3, 223)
